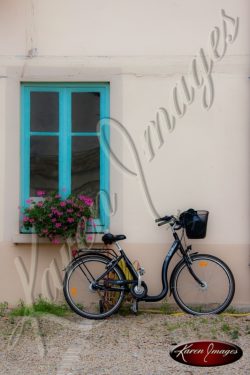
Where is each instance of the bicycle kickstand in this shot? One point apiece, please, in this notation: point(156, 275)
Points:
point(134, 306)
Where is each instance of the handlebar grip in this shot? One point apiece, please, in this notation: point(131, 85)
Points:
point(165, 218)
point(157, 220)
point(162, 223)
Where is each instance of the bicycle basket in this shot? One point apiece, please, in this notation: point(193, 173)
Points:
point(195, 223)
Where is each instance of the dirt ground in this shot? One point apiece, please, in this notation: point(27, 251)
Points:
point(122, 344)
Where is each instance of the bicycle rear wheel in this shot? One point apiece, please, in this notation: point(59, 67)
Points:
point(214, 296)
point(80, 294)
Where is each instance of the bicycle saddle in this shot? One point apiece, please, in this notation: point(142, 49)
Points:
point(109, 238)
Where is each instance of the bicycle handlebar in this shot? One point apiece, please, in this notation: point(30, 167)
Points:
point(166, 219)
point(162, 223)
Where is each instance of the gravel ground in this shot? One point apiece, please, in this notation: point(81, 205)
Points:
point(119, 345)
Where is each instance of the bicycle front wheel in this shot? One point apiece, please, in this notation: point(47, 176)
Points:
point(80, 294)
point(218, 285)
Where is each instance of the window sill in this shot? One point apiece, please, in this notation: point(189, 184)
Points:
point(26, 238)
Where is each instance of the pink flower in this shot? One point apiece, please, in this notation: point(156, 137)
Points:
point(53, 220)
point(31, 220)
point(69, 201)
point(62, 204)
point(40, 204)
point(28, 201)
point(40, 193)
point(70, 210)
point(25, 219)
point(58, 225)
point(56, 212)
point(70, 220)
point(55, 241)
point(89, 202)
point(89, 238)
point(45, 231)
point(58, 196)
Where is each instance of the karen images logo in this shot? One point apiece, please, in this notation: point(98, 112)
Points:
point(206, 353)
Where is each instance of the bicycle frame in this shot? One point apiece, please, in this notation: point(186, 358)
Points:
point(177, 245)
point(106, 270)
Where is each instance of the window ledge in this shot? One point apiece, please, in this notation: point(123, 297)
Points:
point(21, 238)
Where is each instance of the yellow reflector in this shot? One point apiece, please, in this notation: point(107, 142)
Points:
point(74, 292)
point(202, 263)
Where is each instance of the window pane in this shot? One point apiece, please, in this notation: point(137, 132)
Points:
point(85, 111)
point(44, 111)
point(85, 172)
point(43, 164)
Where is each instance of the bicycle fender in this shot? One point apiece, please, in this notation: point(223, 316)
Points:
point(86, 254)
point(94, 253)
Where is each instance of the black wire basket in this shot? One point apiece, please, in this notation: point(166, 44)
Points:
point(195, 223)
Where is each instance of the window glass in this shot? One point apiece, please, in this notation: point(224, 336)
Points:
point(43, 164)
point(85, 111)
point(44, 111)
point(85, 169)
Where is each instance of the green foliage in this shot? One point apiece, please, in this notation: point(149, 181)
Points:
point(234, 334)
point(166, 308)
point(225, 327)
point(41, 306)
point(3, 308)
point(232, 331)
point(232, 310)
point(52, 216)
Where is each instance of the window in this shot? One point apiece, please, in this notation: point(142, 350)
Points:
point(61, 146)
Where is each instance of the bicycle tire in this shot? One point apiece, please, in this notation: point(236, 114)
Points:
point(216, 294)
point(77, 288)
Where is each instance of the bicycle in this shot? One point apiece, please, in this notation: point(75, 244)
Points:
point(95, 285)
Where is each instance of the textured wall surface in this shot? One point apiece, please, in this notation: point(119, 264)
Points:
point(178, 74)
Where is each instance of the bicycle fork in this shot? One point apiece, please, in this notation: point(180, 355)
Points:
point(189, 262)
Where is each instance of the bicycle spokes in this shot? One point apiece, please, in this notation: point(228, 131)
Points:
point(96, 298)
point(214, 291)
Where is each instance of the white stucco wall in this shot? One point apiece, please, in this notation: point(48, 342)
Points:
point(142, 48)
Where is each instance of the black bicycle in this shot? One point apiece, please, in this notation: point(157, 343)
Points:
point(95, 284)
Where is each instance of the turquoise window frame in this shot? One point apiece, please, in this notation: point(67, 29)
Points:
point(65, 90)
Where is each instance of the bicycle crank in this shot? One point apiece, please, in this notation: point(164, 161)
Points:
point(139, 291)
